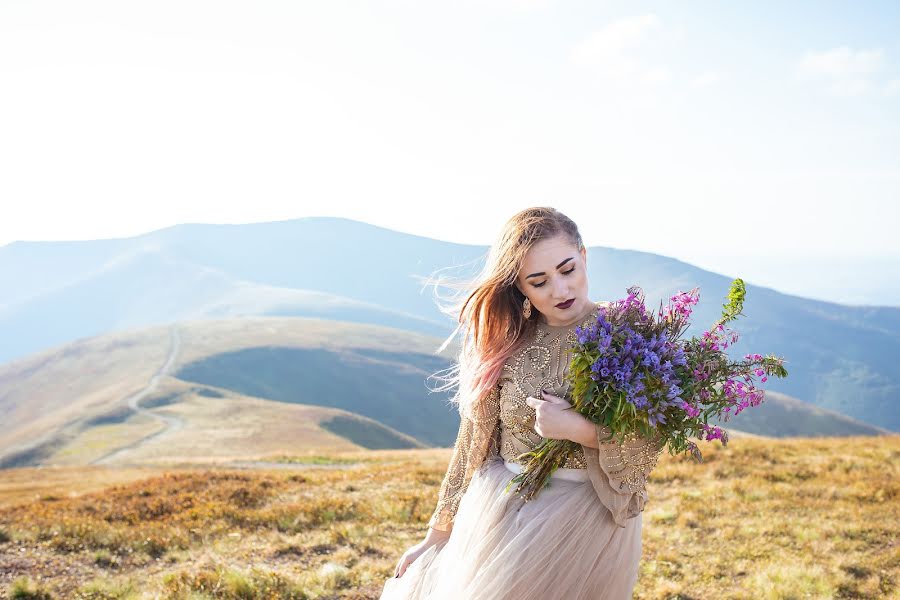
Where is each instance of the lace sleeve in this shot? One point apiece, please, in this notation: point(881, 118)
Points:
point(476, 440)
point(619, 471)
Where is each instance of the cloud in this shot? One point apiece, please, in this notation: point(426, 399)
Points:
point(706, 78)
point(846, 72)
point(842, 62)
point(612, 51)
point(503, 7)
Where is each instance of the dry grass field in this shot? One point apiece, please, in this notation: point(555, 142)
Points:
point(763, 518)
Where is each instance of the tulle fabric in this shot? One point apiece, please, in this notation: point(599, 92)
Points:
point(562, 544)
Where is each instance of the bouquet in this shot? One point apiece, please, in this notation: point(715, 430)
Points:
point(631, 372)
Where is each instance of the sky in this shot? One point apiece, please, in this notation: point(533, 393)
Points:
point(759, 140)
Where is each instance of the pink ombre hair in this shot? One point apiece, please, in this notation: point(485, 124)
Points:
point(488, 309)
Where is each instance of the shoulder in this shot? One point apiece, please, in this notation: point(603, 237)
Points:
point(600, 306)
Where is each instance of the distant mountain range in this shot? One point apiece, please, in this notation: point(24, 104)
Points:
point(257, 387)
point(841, 359)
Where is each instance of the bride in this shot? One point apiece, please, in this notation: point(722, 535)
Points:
point(579, 537)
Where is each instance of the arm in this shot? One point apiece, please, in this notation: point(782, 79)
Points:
point(619, 472)
point(472, 446)
point(586, 434)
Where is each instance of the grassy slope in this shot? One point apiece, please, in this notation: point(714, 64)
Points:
point(763, 518)
point(70, 400)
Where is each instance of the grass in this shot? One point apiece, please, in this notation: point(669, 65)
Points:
point(223, 582)
point(23, 588)
point(798, 518)
point(318, 459)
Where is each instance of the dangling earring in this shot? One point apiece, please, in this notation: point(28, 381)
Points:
point(526, 308)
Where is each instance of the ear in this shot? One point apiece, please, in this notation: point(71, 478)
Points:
point(584, 255)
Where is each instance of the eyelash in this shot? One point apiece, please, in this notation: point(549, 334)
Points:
point(564, 273)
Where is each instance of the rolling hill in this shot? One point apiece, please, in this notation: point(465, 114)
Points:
point(91, 399)
point(840, 358)
point(250, 388)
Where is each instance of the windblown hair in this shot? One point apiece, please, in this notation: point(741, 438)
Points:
point(488, 308)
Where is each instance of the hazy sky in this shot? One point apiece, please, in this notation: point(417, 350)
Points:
point(759, 140)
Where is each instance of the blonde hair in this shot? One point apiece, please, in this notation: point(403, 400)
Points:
point(488, 308)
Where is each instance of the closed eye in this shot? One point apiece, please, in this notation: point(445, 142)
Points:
point(569, 272)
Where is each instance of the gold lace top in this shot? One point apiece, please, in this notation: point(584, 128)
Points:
point(503, 427)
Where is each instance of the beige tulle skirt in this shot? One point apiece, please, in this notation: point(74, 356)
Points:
point(562, 544)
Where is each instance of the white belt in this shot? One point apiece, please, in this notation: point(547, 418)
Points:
point(559, 473)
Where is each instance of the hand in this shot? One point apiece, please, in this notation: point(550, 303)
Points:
point(554, 418)
point(435, 536)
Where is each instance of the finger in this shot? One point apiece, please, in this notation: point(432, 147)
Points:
point(550, 397)
point(555, 399)
point(535, 402)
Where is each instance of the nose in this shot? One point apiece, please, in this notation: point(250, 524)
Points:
point(561, 290)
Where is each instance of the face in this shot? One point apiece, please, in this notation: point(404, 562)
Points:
point(555, 271)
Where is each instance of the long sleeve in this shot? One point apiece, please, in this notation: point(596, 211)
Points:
point(618, 472)
point(477, 439)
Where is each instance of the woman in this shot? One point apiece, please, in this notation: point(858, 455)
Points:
point(579, 537)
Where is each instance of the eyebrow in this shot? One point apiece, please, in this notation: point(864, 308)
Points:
point(557, 266)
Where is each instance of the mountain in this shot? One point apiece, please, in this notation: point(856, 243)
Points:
point(320, 385)
point(248, 388)
point(839, 358)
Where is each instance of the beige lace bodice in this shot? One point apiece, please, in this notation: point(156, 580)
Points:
point(503, 427)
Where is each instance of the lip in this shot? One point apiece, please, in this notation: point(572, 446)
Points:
point(566, 304)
